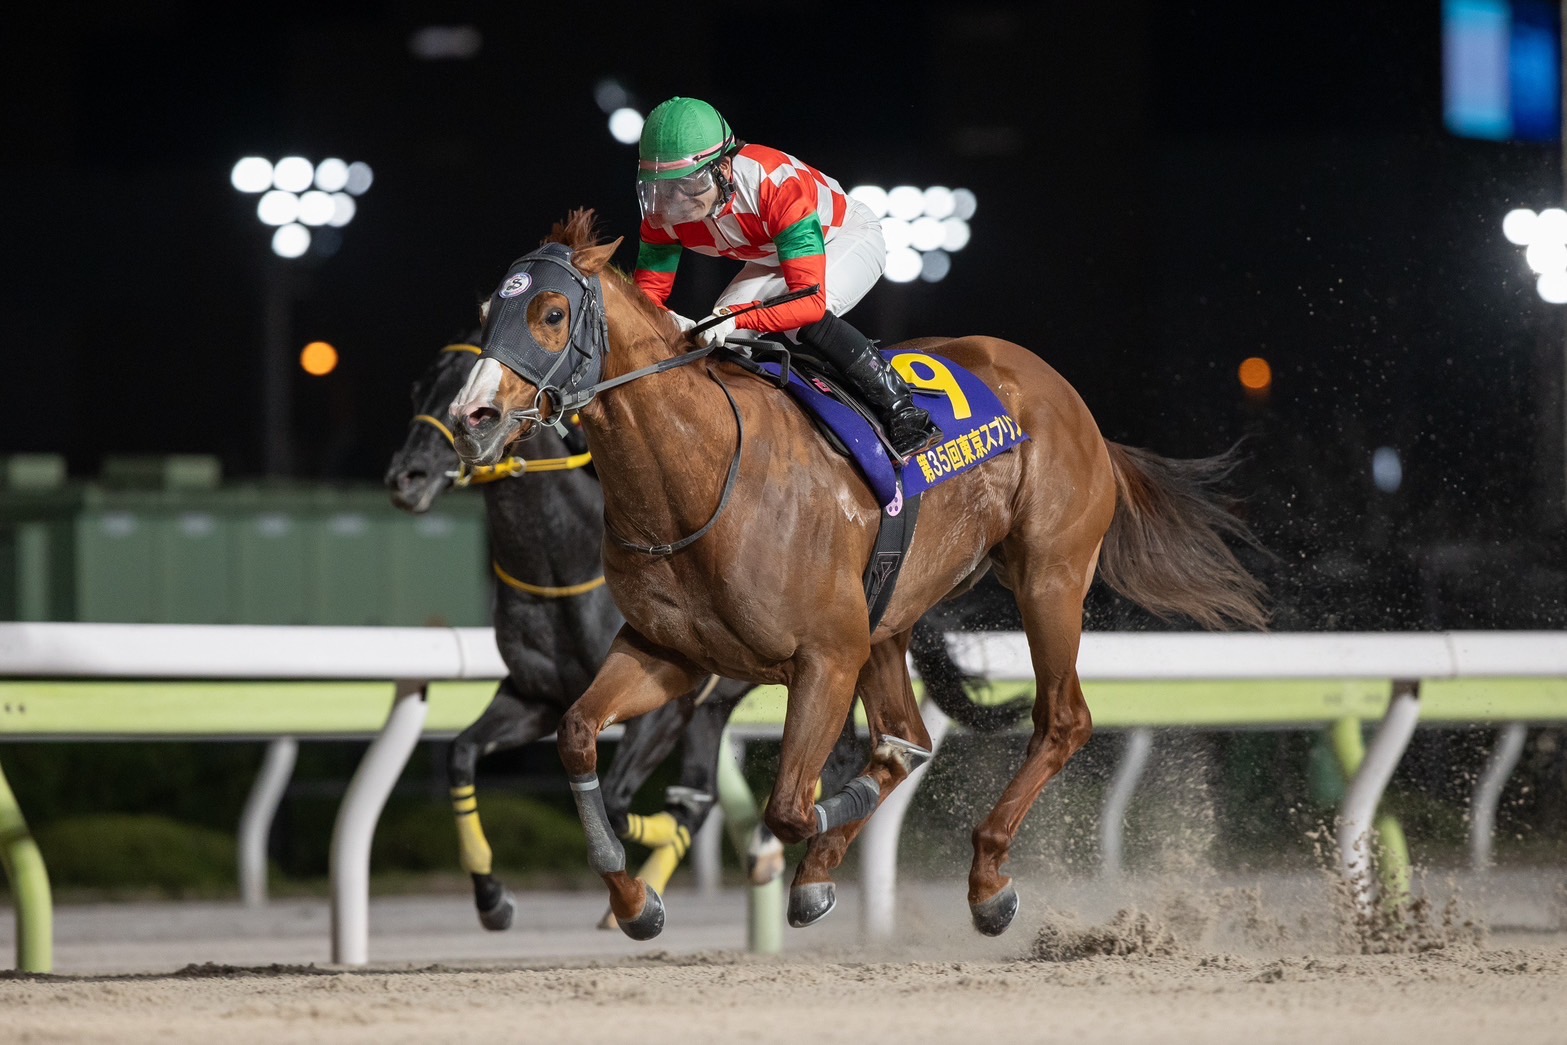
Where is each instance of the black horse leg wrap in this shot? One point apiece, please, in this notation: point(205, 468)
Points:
point(605, 853)
point(858, 800)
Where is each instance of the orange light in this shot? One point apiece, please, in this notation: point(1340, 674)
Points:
point(1255, 374)
point(319, 359)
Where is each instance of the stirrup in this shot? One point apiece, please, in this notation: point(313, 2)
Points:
point(927, 439)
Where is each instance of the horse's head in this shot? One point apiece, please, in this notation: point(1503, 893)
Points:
point(421, 469)
point(545, 337)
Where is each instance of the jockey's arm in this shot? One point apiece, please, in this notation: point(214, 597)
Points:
point(802, 261)
point(657, 259)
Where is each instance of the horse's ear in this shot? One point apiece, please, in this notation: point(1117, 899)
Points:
point(590, 261)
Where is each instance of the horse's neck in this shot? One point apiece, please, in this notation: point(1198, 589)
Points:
point(661, 443)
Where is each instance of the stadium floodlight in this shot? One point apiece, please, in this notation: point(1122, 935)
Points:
point(922, 228)
point(293, 197)
point(1543, 237)
point(625, 125)
point(288, 201)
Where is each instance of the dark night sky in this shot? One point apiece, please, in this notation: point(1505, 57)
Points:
point(1163, 191)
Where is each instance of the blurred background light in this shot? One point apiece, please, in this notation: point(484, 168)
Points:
point(906, 202)
point(315, 208)
point(291, 241)
point(873, 196)
point(436, 43)
point(1518, 226)
point(897, 234)
point(927, 234)
point(343, 209)
point(625, 126)
point(609, 95)
point(964, 203)
point(318, 359)
point(956, 231)
point(934, 266)
point(359, 178)
point(903, 264)
point(331, 175)
point(277, 207)
point(1546, 255)
point(921, 227)
point(1255, 374)
point(293, 174)
point(1387, 471)
point(1552, 286)
point(252, 174)
point(939, 202)
point(1552, 225)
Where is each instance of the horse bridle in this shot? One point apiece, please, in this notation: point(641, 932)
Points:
point(507, 318)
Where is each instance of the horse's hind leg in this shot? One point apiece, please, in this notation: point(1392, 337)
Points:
point(509, 721)
point(636, 678)
point(1051, 601)
point(899, 744)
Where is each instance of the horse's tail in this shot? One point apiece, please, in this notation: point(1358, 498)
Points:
point(947, 684)
point(1166, 549)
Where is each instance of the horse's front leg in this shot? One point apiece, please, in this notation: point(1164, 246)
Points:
point(899, 745)
point(636, 678)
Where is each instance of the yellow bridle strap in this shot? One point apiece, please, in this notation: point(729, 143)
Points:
point(542, 592)
point(439, 427)
point(514, 466)
point(471, 349)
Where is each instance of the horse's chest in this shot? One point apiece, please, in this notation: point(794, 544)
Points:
point(719, 623)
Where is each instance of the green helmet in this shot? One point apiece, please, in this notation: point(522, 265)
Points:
point(680, 137)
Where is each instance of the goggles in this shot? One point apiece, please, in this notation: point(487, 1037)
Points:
point(673, 201)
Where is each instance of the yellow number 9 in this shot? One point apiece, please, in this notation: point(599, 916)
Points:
point(940, 380)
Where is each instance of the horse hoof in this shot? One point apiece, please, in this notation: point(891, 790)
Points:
point(994, 915)
point(498, 917)
point(764, 858)
point(608, 921)
point(809, 904)
point(650, 922)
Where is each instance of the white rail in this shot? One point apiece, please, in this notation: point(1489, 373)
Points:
point(413, 657)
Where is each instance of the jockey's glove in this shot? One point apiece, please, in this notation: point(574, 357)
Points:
point(680, 321)
point(715, 334)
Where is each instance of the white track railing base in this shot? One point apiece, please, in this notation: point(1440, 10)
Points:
point(354, 830)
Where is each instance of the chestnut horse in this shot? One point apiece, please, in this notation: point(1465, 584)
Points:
point(736, 539)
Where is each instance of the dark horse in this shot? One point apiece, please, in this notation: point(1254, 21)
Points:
point(554, 622)
point(737, 538)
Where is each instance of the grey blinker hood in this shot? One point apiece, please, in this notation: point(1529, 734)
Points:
point(507, 338)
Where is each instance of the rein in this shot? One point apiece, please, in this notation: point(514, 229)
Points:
point(723, 499)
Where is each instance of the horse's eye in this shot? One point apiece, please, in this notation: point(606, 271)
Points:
point(555, 317)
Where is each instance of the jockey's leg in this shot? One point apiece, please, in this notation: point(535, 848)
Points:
point(852, 354)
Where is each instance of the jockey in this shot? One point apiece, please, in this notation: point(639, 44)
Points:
point(793, 226)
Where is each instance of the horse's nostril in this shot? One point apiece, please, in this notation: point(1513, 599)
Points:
point(480, 416)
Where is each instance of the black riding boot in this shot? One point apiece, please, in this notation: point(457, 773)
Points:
point(852, 354)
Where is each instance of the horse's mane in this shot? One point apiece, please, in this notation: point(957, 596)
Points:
point(580, 230)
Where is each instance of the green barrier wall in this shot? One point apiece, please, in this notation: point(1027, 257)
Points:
point(112, 551)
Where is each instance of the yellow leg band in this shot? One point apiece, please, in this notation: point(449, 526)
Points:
point(653, 831)
point(660, 865)
point(472, 847)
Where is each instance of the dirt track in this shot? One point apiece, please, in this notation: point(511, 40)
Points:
point(1211, 967)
